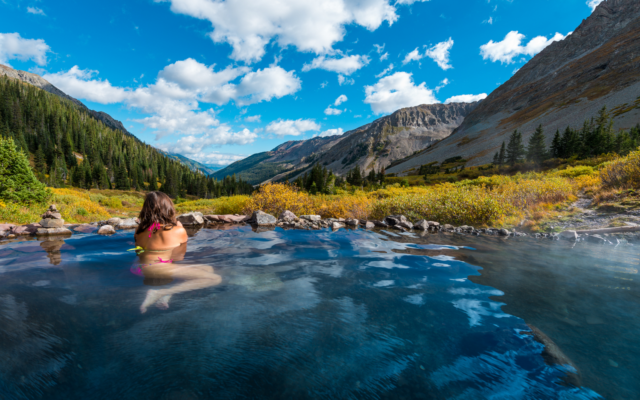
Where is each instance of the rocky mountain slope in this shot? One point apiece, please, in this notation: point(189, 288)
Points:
point(566, 83)
point(40, 82)
point(106, 119)
point(371, 146)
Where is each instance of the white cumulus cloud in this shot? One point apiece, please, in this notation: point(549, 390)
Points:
point(341, 99)
point(331, 132)
point(310, 26)
point(511, 47)
point(332, 111)
point(35, 10)
point(173, 101)
point(397, 91)
point(438, 53)
point(344, 65)
point(15, 47)
point(252, 118)
point(466, 98)
point(385, 71)
point(288, 127)
point(593, 4)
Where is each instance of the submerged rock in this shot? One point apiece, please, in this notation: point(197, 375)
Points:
point(568, 235)
point(261, 218)
point(106, 230)
point(553, 355)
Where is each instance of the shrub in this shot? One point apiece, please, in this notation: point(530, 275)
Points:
point(17, 181)
point(275, 198)
point(77, 207)
point(574, 172)
point(623, 172)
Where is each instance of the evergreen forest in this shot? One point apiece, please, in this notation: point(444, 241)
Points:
point(68, 147)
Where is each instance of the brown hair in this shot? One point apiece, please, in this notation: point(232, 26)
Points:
point(159, 208)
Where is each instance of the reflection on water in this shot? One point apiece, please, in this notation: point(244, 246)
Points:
point(338, 315)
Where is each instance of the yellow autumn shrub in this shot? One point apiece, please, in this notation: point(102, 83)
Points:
point(221, 205)
point(623, 172)
point(275, 198)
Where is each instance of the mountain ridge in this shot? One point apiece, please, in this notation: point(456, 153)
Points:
point(372, 146)
point(569, 81)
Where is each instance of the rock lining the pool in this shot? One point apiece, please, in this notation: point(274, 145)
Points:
point(52, 223)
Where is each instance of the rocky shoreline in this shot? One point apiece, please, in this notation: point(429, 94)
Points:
point(52, 224)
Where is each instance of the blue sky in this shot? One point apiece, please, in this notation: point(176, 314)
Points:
point(216, 80)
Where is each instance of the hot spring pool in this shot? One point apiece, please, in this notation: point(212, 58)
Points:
point(322, 315)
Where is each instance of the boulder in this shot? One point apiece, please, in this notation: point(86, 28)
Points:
point(337, 225)
point(52, 223)
point(106, 230)
point(311, 218)
point(421, 225)
point(287, 216)
point(114, 221)
point(369, 225)
point(85, 228)
point(504, 232)
point(380, 224)
point(6, 229)
point(595, 239)
point(568, 235)
point(405, 224)
point(263, 219)
point(128, 223)
point(467, 228)
point(433, 223)
point(448, 227)
point(393, 220)
point(352, 222)
point(53, 231)
point(191, 219)
point(30, 229)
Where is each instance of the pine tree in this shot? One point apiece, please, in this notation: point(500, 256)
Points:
point(18, 183)
point(40, 162)
point(515, 148)
point(556, 146)
point(502, 157)
point(536, 149)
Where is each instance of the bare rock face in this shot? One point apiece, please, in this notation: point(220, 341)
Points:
point(263, 219)
point(566, 83)
point(106, 230)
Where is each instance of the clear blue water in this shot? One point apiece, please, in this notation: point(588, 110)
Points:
point(304, 315)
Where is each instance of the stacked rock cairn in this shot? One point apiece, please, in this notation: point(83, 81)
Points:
point(52, 223)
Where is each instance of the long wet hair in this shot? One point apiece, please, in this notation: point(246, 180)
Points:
point(157, 208)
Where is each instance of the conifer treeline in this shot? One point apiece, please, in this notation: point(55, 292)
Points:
point(70, 148)
point(596, 137)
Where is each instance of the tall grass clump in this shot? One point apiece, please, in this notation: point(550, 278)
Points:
point(77, 207)
point(221, 205)
point(623, 172)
